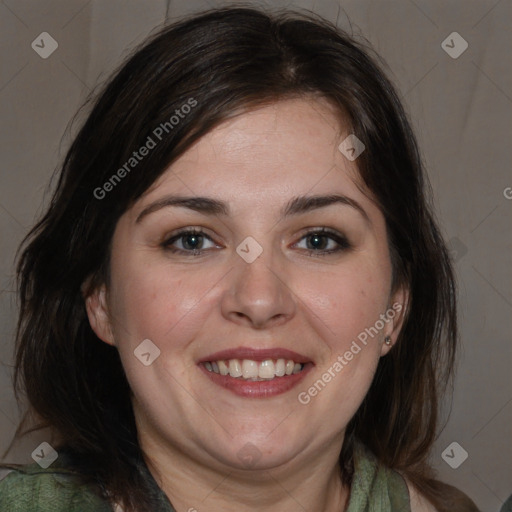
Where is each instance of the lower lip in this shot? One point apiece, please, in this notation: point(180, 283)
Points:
point(258, 389)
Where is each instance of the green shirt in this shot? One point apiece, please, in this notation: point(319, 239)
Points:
point(33, 489)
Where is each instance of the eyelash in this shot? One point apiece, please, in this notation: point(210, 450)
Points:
point(343, 243)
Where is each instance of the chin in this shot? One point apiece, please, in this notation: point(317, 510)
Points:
point(258, 452)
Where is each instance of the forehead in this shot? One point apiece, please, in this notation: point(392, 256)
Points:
point(304, 126)
point(291, 144)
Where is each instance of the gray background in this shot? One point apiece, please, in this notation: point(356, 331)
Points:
point(461, 109)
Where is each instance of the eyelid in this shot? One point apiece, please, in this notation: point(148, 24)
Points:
point(321, 229)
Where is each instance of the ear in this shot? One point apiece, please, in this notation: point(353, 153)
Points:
point(98, 313)
point(395, 315)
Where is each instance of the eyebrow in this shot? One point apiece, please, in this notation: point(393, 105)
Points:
point(209, 206)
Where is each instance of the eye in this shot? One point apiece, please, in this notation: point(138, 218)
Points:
point(192, 241)
point(318, 242)
point(323, 241)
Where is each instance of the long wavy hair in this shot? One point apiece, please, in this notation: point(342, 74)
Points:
point(228, 60)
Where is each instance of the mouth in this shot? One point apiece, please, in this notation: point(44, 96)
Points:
point(256, 373)
point(248, 369)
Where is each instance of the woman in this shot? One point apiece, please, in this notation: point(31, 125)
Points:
point(238, 297)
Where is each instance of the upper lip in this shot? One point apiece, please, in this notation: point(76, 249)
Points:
point(256, 354)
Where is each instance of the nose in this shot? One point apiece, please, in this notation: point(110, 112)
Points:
point(258, 296)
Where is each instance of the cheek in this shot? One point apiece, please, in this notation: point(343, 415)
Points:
point(162, 305)
point(347, 300)
point(166, 309)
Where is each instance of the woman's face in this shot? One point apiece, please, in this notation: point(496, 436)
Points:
point(287, 261)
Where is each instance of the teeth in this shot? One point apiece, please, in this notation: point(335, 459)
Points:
point(235, 369)
point(223, 368)
point(280, 367)
point(267, 369)
point(249, 369)
point(254, 370)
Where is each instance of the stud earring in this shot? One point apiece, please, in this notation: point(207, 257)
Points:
point(387, 340)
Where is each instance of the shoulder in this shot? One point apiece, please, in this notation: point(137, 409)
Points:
point(418, 502)
point(30, 488)
point(449, 498)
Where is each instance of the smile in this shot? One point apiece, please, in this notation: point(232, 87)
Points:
point(256, 373)
point(253, 370)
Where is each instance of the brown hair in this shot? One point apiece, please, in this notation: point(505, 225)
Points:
point(229, 60)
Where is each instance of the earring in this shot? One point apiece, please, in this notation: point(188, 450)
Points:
point(387, 340)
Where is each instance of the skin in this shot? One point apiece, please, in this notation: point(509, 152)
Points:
point(193, 305)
